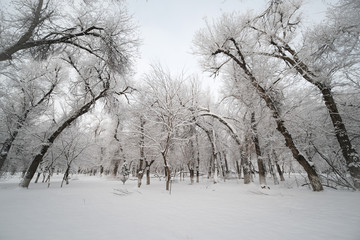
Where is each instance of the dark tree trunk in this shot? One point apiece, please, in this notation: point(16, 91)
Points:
point(37, 177)
point(245, 163)
point(192, 176)
point(116, 168)
point(350, 155)
point(66, 176)
point(197, 160)
point(101, 170)
point(148, 165)
point(147, 175)
point(167, 170)
point(197, 174)
point(240, 61)
point(226, 165)
point(210, 166)
point(238, 169)
point(168, 177)
point(260, 162)
point(6, 148)
point(281, 174)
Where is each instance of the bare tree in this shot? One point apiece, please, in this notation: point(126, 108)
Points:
point(72, 147)
point(328, 51)
point(228, 40)
point(166, 105)
point(96, 84)
point(45, 27)
point(29, 97)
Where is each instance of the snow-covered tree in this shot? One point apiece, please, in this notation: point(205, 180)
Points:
point(230, 40)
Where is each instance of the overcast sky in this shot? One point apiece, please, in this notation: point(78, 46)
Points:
point(167, 28)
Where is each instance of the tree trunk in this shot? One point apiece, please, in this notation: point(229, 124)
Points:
point(351, 156)
point(281, 174)
point(140, 172)
point(116, 167)
point(148, 165)
point(313, 176)
point(215, 169)
point(37, 177)
point(210, 167)
point(238, 170)
point(66, 176)
point(33, 166)
point(147, 175)
point(168, 177)
point(245, 163)
point(260, 162)
point(192, 176)
point(246, 170)
point(197, 160)
point(6, 148)
point(272, 172)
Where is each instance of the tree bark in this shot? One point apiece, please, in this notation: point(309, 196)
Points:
point(238, 170)
point(260, 162)
point(148, 165)
point(312, 175)
point(272, 172)
point(37, 177)
point(281, 174)
point(140, 172)
point(351, 156)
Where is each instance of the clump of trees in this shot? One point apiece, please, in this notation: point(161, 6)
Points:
point(289, 97)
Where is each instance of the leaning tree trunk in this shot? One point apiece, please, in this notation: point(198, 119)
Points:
point(350, 155)
point(241, 62)
point(45, 147)
point(260, 162)
point(66, 176)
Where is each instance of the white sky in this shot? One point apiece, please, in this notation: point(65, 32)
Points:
point(167, 29)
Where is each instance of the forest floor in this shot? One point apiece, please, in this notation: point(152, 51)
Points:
point(94, 208)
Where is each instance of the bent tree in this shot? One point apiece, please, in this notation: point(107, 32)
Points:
point(229, 42)
point(104, 82)
point(328, 50)
point(244, 160)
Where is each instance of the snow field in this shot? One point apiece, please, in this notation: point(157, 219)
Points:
point(101, 208)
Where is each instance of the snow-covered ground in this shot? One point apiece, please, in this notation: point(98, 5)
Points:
point(102, 208)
